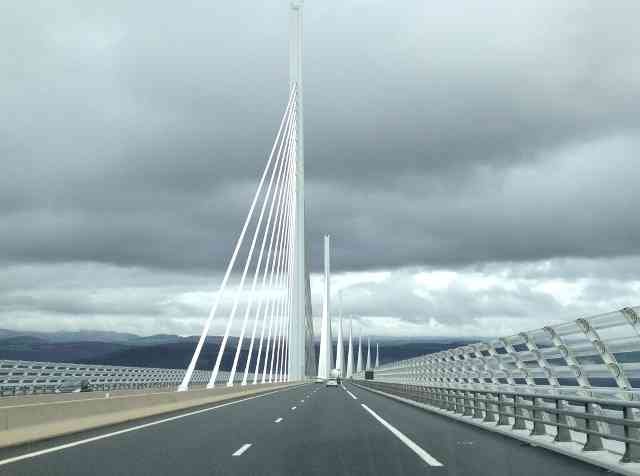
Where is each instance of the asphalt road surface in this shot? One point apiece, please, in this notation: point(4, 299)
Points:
point(306, 430)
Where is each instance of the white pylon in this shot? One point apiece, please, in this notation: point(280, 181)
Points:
point(349, 372)
point(297, 350)
point(340, 345)
point(359, 364)
point(325, 361)
point(368, 353)
point(377, 355)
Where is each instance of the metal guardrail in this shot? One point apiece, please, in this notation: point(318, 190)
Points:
point(596, 357)
point(25, 377)
point(618, 421)
point(580, 376)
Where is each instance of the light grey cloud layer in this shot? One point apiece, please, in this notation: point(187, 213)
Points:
point(491, 299)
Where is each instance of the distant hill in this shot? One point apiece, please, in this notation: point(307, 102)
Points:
point(393, 352)
point(73, 336)
point(34, 348)
point(145, 353)
point(169, 350)
point(176, 355)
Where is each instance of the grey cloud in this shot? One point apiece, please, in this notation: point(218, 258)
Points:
point(571, 204)
point(472, 301)
point(399, 296)
point(436, 134)
point(490, 139)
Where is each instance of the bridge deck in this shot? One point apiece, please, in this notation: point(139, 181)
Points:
point(329, 432)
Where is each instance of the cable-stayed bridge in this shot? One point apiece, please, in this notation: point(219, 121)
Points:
point(559, 400)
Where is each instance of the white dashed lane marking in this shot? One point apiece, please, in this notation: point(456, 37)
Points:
point(242, 449)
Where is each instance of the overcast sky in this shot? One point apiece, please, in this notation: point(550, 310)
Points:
point(477, 163)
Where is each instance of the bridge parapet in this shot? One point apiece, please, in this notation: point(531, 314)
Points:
point(596, 357)
point(573, 386)
point(26, 377)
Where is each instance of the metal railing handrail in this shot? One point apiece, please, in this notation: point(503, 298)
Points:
point(20, 376)
point(595, 355)
point(497, 408)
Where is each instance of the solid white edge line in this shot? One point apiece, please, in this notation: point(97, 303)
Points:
point(278, 420)
point(426, 457)
point(242, 449)
point(127, 430)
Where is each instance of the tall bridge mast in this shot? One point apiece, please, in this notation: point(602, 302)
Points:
point(297, 342)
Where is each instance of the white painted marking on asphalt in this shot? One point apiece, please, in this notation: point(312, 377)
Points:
point(278, 420)
point(242, 449)
point(302, 401)
point(351, 394)
point(127, 430)
point(426, 457)
point(293, 408)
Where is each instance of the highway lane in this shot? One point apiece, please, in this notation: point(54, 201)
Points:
point(468, 450)
point(308, 430)
point(198, 444)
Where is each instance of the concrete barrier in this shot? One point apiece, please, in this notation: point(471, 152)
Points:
point(38, 421)
point(29, 399)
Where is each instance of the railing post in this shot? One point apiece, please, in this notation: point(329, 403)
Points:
point(442, 398)
point(631, 450)
point(429, 395)
point(459, 399)
point(539, 427)
point(503, 419)
point(562, 432)
point(450, 399)
point(477, 410)
point(489, 414)
point(518, 420)
point(594, 442)
point(435, 396)
point(468, 410)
